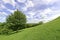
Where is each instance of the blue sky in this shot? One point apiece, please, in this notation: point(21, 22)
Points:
point(35, 10)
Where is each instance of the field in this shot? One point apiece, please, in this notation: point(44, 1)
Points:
point(47, 31)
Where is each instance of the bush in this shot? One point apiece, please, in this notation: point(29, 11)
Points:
point(14, 22)
point(30, 25)
point(5, 29)
point(33, 24)
point(17, 20)
point(40, 23)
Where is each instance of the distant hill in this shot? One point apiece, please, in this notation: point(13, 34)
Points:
point(47, 31)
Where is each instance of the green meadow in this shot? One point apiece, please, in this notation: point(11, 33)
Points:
point(47, 31)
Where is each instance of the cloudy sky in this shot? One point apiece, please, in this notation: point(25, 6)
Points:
point(35, 10)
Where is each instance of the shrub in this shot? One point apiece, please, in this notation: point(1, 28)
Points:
point(33, 24)
point(40, 23)
point(17, 20)
point(5, 29)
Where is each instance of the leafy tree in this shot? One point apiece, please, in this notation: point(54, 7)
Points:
point(17, 20)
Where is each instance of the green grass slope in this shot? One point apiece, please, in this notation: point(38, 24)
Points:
point(48, 31)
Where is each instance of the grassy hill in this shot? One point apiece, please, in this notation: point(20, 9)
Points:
point(48, 31)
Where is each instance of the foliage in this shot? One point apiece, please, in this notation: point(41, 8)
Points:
point(28, 25)
point(3, 28)
point(17, 20)
point(47, 31)
point(14, 22)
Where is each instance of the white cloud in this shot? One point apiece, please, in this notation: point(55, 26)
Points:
point(33, 21)
point(12, 2)
point(2, 6)
point(29, 4)
point(6, 1)
point(3, 16)
point(46, 2)
point(49, 1)
point(24, 8)
point(31, 13)
point(22, 1)
point(53, 14)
